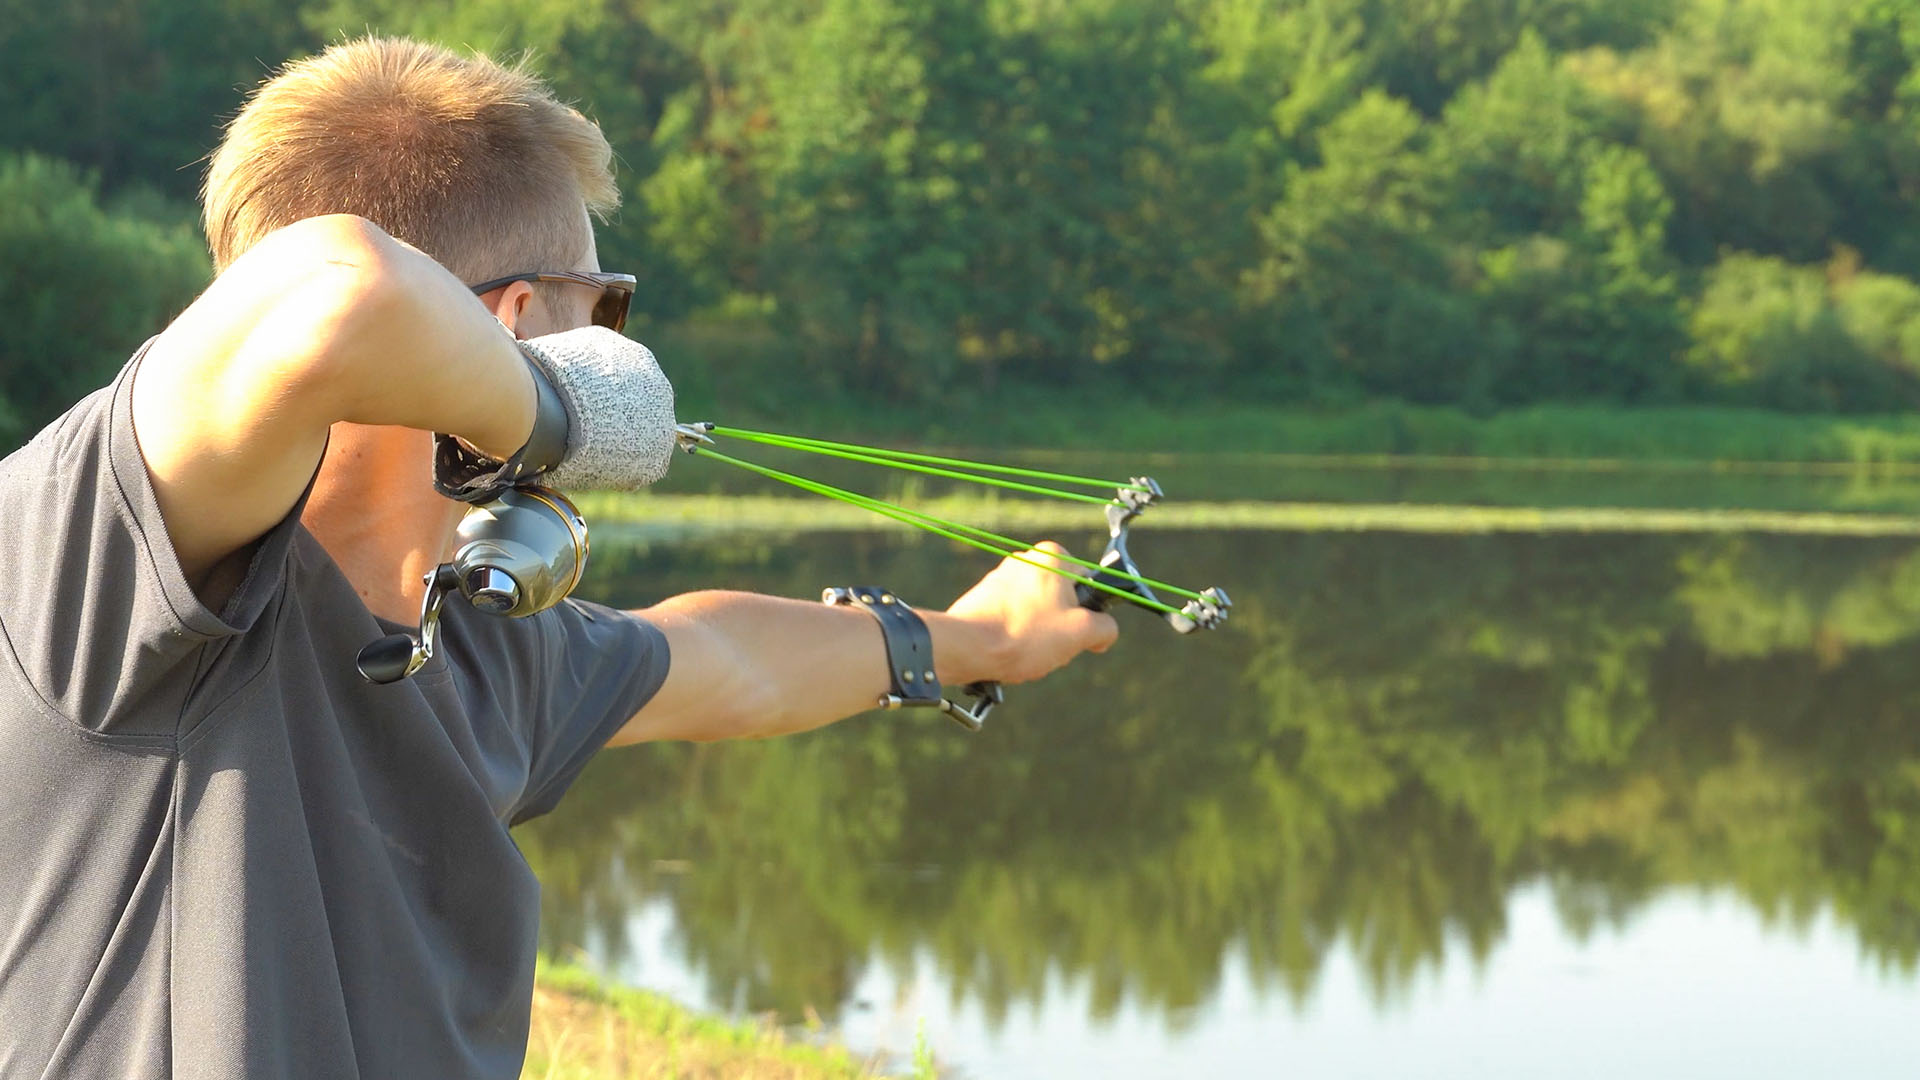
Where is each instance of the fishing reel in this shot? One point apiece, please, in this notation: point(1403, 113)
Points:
point(516, 555)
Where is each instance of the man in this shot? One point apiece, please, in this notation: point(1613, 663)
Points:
point(227, 855)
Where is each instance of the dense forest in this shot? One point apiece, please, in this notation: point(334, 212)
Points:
point(1479, 204)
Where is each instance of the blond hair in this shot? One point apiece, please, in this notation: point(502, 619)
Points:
point(475, 163)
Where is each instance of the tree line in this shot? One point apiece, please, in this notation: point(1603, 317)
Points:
point(1475, 203)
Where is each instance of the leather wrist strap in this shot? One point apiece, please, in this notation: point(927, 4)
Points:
point(909, 644)
point(910, 657)
point(461, 473)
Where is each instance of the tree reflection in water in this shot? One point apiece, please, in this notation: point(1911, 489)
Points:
point(1392, 735)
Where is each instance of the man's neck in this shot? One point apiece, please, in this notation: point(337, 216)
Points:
point(374, 509)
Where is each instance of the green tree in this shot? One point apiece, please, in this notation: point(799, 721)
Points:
point(1363, 295)
point(136, 91)
point(1480, 203)
point(1769, 333)
point(88, 281)
point(1772, 124)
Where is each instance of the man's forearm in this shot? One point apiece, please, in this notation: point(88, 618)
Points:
point(746, 666)
point(433, 358)
point(324, 321)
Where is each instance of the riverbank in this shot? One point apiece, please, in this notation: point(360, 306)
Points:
point(1553, 433)
point(587, 1029)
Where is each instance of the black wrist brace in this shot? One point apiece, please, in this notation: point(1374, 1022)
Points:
point(912, 681)
point(470, 477)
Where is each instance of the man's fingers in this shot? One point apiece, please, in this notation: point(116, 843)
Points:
point(1048, 553)
point(1065, 575)
point(1097, 630)
point(1051, 555)
point(1100, 630)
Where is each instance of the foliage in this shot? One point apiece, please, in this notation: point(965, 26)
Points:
point(88, 281)
point(1477, 204)
point(135, 92)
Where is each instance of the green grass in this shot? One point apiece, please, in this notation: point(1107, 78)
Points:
point(585, 1028)
point(620, 517)
point(1553, 433)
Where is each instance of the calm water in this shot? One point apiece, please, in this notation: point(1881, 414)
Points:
point(1429, 806)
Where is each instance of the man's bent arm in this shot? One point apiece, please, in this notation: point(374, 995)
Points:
point(327, 320)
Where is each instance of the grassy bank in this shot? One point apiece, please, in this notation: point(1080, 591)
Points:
point(1046, 418)
point(1546, 432)
point(587, 1029)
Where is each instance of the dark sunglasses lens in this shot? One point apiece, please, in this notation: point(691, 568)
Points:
point(611, 310)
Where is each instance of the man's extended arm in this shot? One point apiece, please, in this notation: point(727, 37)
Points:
point(326, 320)
point(749, 666)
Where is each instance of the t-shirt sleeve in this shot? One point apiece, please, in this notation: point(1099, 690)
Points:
point(598, 667)
point(98, 616)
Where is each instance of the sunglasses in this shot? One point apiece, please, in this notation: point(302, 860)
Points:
point(616, 291)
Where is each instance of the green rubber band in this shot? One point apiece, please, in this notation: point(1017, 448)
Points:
point(867, 500)
point(909, 517)
point(874, 459)
point(856, 498)
point(801, 442)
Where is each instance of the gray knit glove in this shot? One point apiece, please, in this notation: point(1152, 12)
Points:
point(619, 408)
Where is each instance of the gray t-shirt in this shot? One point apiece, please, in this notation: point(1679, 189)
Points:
point(222, 853)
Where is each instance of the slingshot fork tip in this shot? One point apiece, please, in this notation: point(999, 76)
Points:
point(691, 437)
point(1205, 612)
point(1140, 493)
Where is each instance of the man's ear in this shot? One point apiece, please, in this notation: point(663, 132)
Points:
point(510, 303)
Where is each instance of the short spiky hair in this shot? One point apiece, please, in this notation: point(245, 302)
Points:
point(472, 162)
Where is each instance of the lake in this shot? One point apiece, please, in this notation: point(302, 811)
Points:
point(1432, 805)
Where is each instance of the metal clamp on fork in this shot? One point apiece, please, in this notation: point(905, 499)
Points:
point(910, 658)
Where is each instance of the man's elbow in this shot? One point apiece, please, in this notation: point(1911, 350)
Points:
point(346, 290)
point(342, 238)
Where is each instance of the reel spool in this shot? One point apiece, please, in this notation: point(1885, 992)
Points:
point(517, 555)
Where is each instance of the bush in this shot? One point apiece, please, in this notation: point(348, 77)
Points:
point(89, 283)
point(1770, 333)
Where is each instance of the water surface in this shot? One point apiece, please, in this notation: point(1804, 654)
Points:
point(1222, 475)
point(1436, 806)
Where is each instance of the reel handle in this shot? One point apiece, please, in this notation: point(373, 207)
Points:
point(519, 554)
point(386, 660)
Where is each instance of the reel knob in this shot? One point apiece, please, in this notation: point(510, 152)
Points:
point(492, 590)
point(387, 660)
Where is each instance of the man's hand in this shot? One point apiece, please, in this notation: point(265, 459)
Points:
point(1035, 611)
